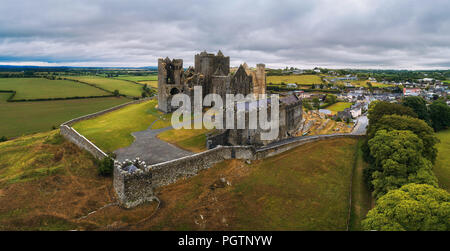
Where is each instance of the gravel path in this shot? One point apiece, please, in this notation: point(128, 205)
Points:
point(149, 148)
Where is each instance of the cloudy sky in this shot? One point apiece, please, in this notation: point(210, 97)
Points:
point(336, 34)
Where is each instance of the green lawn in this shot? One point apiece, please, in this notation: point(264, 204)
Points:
point(19, 118)
point(113, 130)
point(193, 140)
point(339, 106)
point(38, 88)
point(138, 78)
point(110, 84)
point(442, 165)
point(299, 79)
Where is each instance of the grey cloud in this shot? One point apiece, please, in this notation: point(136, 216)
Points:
point(389, 34)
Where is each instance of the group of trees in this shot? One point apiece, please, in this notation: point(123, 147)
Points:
point(437, 114)
point(400, 149)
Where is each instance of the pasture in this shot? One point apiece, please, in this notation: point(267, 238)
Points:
point(19, 118)
point(298, 79)
point(442, 165)
point(138, 78)
point(113, 130)
point(110, 84)
point(277, 193)
point(41, 88)
point(337, 107)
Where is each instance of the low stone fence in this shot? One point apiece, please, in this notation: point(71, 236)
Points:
point(135, 188)
point(75, 137)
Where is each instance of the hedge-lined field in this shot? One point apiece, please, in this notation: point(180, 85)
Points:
point(138, 78)
point(110, 84)
point(19, 118)
point(42, 88)
point(299, 79)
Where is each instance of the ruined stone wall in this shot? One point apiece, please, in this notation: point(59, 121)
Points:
point(135, 188)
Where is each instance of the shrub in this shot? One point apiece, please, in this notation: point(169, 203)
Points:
point(3, 139)
point(106, 166)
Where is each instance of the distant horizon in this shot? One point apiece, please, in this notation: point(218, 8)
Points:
point(5, 64)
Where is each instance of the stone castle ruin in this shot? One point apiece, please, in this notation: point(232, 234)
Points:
point(212, 73)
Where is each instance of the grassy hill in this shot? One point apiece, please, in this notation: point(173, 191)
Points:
point(41, 88)
point(46, 183)
point(19, 118)
point(299, 79)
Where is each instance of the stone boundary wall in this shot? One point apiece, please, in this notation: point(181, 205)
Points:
point(135, 188)
point(75, 137)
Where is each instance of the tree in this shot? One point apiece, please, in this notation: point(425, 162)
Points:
point(379, 109)
point(413, 207)
point(417, 126)
point(398, 161)
point(439, 115)
point(330, 99)
point(316, 103)
point(419, 106)
point(116, 93)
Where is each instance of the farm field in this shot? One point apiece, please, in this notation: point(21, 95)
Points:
point(151, 83)
point(138, 78)
point(113, 130)
point(47, 183)
point(19, 118)
point(40, 88)
point(339, 106)
point(442, 165)
point(299, 79)
point(110, 84)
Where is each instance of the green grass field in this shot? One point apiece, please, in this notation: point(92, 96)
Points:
point(151, 83)
point(19, 118)
point(299, 79)
point(110, 84)
point(193, 140)
point(442, 165)
point(113, 130)
point(38, 88)
point(339, 106)
point(138, 78)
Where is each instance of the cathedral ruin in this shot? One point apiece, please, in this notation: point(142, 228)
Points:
point(212, 73)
